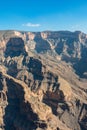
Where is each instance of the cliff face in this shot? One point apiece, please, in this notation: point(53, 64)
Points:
point(69, 46)
point(14, 47)
point(40, 81)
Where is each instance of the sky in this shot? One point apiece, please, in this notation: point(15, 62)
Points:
point(41, 15)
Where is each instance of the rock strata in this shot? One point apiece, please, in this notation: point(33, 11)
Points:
point(43, 80)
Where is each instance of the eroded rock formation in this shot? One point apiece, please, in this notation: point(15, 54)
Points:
point(40, 80)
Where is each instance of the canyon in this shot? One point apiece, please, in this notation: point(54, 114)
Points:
point(43, 80)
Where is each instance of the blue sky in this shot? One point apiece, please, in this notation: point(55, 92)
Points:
point(40, 15)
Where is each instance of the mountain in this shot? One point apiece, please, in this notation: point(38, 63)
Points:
point(43, 82)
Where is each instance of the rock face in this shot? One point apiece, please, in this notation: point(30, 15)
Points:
point(43, 80)
point(14, 47)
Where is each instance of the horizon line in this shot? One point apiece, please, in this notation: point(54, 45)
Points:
point(44, 30)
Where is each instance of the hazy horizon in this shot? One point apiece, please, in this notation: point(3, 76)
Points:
point(44, 30)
